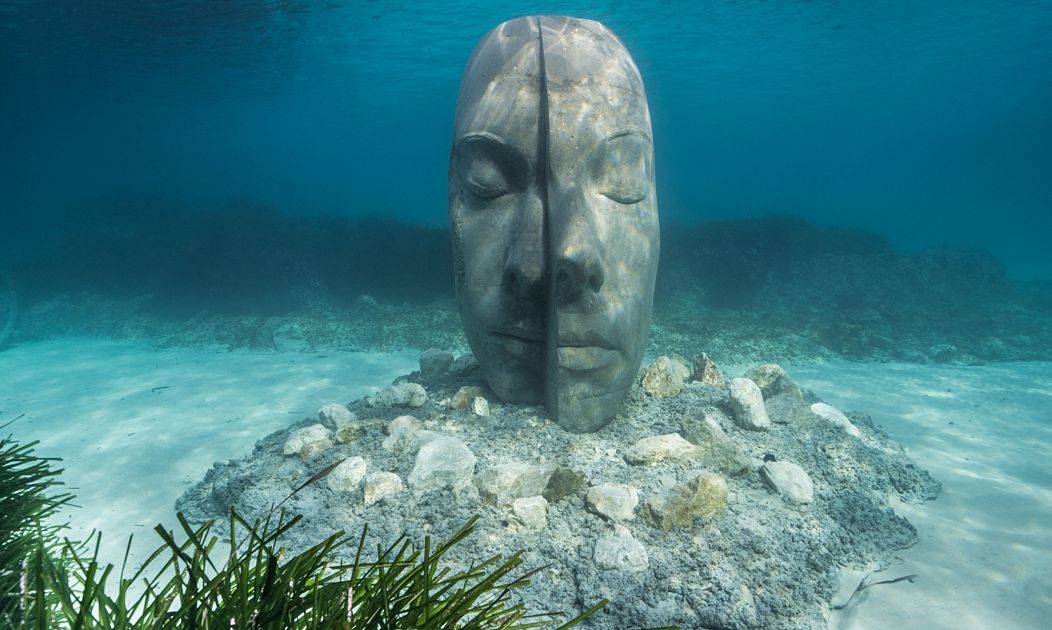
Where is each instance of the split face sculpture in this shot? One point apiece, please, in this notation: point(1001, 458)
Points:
point(553, 212)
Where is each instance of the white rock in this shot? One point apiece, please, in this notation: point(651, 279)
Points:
point(528, 513)
point(336, 416)
point(348, 475)
point(399, 395)
point(791, 481)
point(442, 462)
point(480, 406)
point(308, 441)
point(835, 416)
point(747, 405)
point(402, 435)
point(658, 448)
point(619, 550)
point(381, 484)
point(616, 501)
point(506, 482)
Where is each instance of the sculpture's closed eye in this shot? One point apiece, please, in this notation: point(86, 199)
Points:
point(621, 169)
point(484, 179)
point(488, 167)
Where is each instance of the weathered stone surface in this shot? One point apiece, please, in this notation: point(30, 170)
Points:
point(348, 475)
point(773, 380)
point(680, 367)
point(379, 485)
point(336, 417)
point(308, 441)
point(480, 407)
point(658, 448)
point(465, 364)
point(434, 363)
point(504, 483)
point(563, 483)
point(402, 435)
point(528, 513)
point(747, 405)
point(616, 501)
point(662, 379)
point(400, 395)
point(442, 462)
point(789, 480)
point(618, 550)
point(703, 497)
point(706, 372)
point(835, 416)
point(466, 395)
point(290, 338)
point(786, 408)
point(339, 419)
point(718, 449)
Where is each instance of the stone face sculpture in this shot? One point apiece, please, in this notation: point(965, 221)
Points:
point(553, 212)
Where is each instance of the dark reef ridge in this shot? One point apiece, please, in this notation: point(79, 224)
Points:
point(746, 290)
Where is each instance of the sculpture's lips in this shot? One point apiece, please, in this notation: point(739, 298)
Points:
point(520, 344)
point(585, 358)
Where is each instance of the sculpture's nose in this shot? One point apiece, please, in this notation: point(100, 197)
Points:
point(578, 264)
point(523, 274)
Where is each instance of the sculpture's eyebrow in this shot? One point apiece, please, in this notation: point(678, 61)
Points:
point(629, 131)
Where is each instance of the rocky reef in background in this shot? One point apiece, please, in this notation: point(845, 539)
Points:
point(709, 501)
point(746, 290)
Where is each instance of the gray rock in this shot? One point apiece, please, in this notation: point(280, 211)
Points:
point(773, 380)
point(789, 480)
point(289, 338)
point(379, 485)
point(503, 483)
point(616, 501)
point(747, 405)
point(943, 353)
point(434, 363)
point(528, 513)
point(348, 475)
point(341, 422)
point(663, 379)
point(718, 450)
point(308, 441)
point(336, 417)
point(835, 416)
point(442, 462)
point(465, 365)
point(402, 435)
point(399, 395)
point(706, 372)
point(786, 408)
point(658, 448)
point(618, 550)
point(563, 483)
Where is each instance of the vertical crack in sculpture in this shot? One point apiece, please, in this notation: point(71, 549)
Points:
point(544, 174)
point(553, 214)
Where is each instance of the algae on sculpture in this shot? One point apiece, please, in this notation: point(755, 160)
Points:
point(553, 211)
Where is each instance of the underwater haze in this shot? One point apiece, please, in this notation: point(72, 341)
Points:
point(928, 123)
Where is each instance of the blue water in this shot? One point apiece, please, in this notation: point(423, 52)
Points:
point(928, 122)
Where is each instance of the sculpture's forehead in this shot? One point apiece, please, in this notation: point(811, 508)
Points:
point(589, 76)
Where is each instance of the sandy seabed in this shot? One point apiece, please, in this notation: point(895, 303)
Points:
point(136, 425)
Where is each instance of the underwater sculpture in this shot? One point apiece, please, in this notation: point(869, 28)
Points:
point(553, 212)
